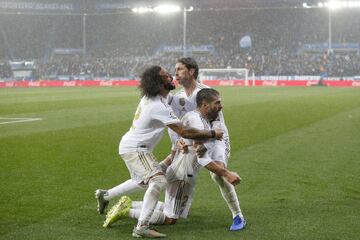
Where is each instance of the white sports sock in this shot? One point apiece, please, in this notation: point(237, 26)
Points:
point(158, 217)
point(122, 189)
point(229, 194)
point(138, 204)
point(156, 185)
point(159, 206)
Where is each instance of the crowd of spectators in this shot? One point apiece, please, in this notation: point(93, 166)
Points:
point(122, 45)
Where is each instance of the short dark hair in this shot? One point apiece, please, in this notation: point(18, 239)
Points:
point(207, 95)
point(150, 81)
point(190, 63)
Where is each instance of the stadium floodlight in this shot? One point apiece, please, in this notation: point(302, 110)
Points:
point(142, 10)
point(166, 9)
point(354, 4)
point(190, 9)
point(161, 9)
point(333, 5)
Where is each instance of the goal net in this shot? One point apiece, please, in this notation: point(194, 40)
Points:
point(224, 74)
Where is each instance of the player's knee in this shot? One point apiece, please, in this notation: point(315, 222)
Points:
point(159, 182)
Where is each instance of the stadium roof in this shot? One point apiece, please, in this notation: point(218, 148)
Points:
point(200, 4)
point(117, 6)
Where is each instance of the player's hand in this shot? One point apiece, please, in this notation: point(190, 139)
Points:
point(181, 145)
point(200, 150)
point(233, 178)
point(164, 164)
point(218, 134)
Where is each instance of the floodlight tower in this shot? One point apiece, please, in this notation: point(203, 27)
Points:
point(168, 9)
point(185, 10)
point(84, 35)
point(334, 5)
point(330, 33)
point(331, 5)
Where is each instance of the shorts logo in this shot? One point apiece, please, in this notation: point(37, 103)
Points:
point(182, 102)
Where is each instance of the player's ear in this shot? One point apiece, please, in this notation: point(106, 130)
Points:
point(204, 104)
point(192, 71)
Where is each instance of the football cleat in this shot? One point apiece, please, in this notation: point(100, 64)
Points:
point(238, 224)
point(146, 232)
point(102, 203)
point(119, 210)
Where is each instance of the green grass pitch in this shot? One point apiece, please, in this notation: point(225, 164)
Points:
point(297, 150)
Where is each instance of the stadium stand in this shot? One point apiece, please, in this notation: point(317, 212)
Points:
point(283, 42)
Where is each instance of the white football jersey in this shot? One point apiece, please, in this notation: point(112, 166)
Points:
point(188, 165)
point(196, 120)
point(182, 104)
point(182, 172)
point(151, 118)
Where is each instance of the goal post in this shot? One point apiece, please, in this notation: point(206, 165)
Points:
point(224, 74)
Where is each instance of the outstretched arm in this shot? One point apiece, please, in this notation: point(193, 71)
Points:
point(193, 133)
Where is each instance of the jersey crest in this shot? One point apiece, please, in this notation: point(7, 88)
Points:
point(182, 102)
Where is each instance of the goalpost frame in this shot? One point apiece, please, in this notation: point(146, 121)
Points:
point(225, 70)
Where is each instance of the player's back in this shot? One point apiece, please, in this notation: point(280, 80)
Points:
point(149, 122)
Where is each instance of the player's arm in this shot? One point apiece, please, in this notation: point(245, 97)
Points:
point(166, 116)
point(193, 133)
point(200, 148)
point(231, 177)
point(164, 164)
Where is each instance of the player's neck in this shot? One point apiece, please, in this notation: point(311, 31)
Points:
point(190, 88)
point(164, 92)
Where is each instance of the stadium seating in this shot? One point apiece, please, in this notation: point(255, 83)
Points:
point(119, 46)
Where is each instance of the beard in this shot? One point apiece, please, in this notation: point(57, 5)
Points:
point(213, 115)
point(170, 86)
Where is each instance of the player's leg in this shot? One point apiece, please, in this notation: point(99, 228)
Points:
point(138, 205)
point(178, 199)
point(126, 208)
point(104, 196)
point(157, 218)
point(221, 154)
point(143, 166)
point(157, 184)
point(228, 193)
point(119, 210)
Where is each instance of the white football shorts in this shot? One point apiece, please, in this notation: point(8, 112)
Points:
point(220, 151)
point(141, 165)
point(178, 199)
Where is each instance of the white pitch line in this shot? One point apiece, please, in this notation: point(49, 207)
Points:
point(14, 118)
point(20, 120)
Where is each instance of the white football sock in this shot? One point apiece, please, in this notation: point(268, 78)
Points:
point(122, 189)
point(138, 204)
point(158, 217)
point(156, 185)
point(229, 194)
